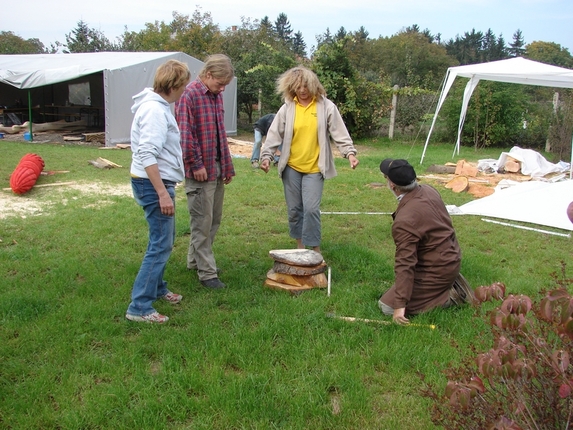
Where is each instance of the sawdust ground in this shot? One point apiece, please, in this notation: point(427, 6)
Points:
point(44, 199)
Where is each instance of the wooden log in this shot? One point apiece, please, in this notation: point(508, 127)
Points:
point(436, 168)
point(94, 137)
point(298, 257)
point(273, 285)
point(290, 269)
point(458, 184)
point(465, 169)
point(316, 281)
point(512, 165)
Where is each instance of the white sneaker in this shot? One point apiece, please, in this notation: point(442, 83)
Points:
point(172, 297)
point(155, 317)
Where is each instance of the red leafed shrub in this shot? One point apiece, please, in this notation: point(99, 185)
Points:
point(26, 174)
point(526, 380)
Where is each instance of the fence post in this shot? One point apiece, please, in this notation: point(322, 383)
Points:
point(393, 111)
point(555, 109)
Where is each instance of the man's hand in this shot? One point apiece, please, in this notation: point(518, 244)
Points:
point(200, 175)
point(265, 165)
point(399, 316)
point(227, 179)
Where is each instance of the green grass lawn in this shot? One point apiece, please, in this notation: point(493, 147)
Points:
point(242, 358)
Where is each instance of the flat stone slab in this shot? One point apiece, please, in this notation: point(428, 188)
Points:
point(297, 257)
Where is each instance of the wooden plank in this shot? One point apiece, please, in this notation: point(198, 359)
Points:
point(315, 281)
point(273, 285)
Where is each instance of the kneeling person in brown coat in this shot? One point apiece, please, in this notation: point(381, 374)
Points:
point(428, 256)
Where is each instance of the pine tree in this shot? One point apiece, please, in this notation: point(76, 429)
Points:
point(283, 28)
point(298, 45)
point(516, 48)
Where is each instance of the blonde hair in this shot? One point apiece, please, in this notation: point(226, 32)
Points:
point(170, 76)
point(291, 80)
point(219, 67)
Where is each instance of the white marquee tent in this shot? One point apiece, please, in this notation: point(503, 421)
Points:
point(514, 70)
point(113, 77)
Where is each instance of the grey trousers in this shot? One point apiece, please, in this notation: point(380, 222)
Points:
point(303, 193)
point(205, 205)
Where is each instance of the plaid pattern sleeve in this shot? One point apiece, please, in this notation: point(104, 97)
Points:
point(199, 114)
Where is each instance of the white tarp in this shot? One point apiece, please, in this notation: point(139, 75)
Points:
point(124, 74)
point(532, 163)
point(536, 202)
point(514, 70)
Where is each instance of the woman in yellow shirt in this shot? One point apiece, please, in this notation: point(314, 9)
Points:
point(304, 126)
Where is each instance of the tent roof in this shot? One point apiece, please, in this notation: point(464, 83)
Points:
point(30, 71)
point(513, 70)
point(518, 71)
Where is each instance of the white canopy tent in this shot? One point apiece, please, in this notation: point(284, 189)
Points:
point(514, 70)
point(114, 78)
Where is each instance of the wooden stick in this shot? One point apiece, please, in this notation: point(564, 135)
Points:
point(353, 319)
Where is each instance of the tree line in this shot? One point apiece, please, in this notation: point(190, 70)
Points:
point(359, 73)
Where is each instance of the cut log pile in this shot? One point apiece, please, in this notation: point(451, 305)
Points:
point(296, 270)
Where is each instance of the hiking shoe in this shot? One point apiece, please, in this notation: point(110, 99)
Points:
point(155, 317)
point(172, 297)
point(461, 291)
point(214, 284)
point(255, 164)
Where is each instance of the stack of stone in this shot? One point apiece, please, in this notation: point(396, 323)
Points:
point(296, 270)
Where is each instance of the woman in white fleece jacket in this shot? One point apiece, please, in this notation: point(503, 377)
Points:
point(304, 126)
point(156, 167)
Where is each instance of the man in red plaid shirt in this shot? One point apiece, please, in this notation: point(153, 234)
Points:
point(207, 160)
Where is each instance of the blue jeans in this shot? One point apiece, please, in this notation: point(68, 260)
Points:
point(149, 284)
point(303, 193)
point(256, 154)
point(257, 146)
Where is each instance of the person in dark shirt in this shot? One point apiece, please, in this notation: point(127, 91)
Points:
point(261, 127)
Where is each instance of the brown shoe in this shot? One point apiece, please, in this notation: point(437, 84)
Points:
point(461, 291)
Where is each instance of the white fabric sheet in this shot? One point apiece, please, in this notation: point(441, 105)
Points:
point(535, 202)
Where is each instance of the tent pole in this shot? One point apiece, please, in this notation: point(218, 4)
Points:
point(30, 115)
point(571, 165)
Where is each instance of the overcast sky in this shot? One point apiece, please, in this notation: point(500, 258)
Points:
point(545, 20)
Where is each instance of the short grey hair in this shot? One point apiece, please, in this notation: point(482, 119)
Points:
point(406, 188)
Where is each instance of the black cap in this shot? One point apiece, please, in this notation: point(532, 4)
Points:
point(399, 172)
